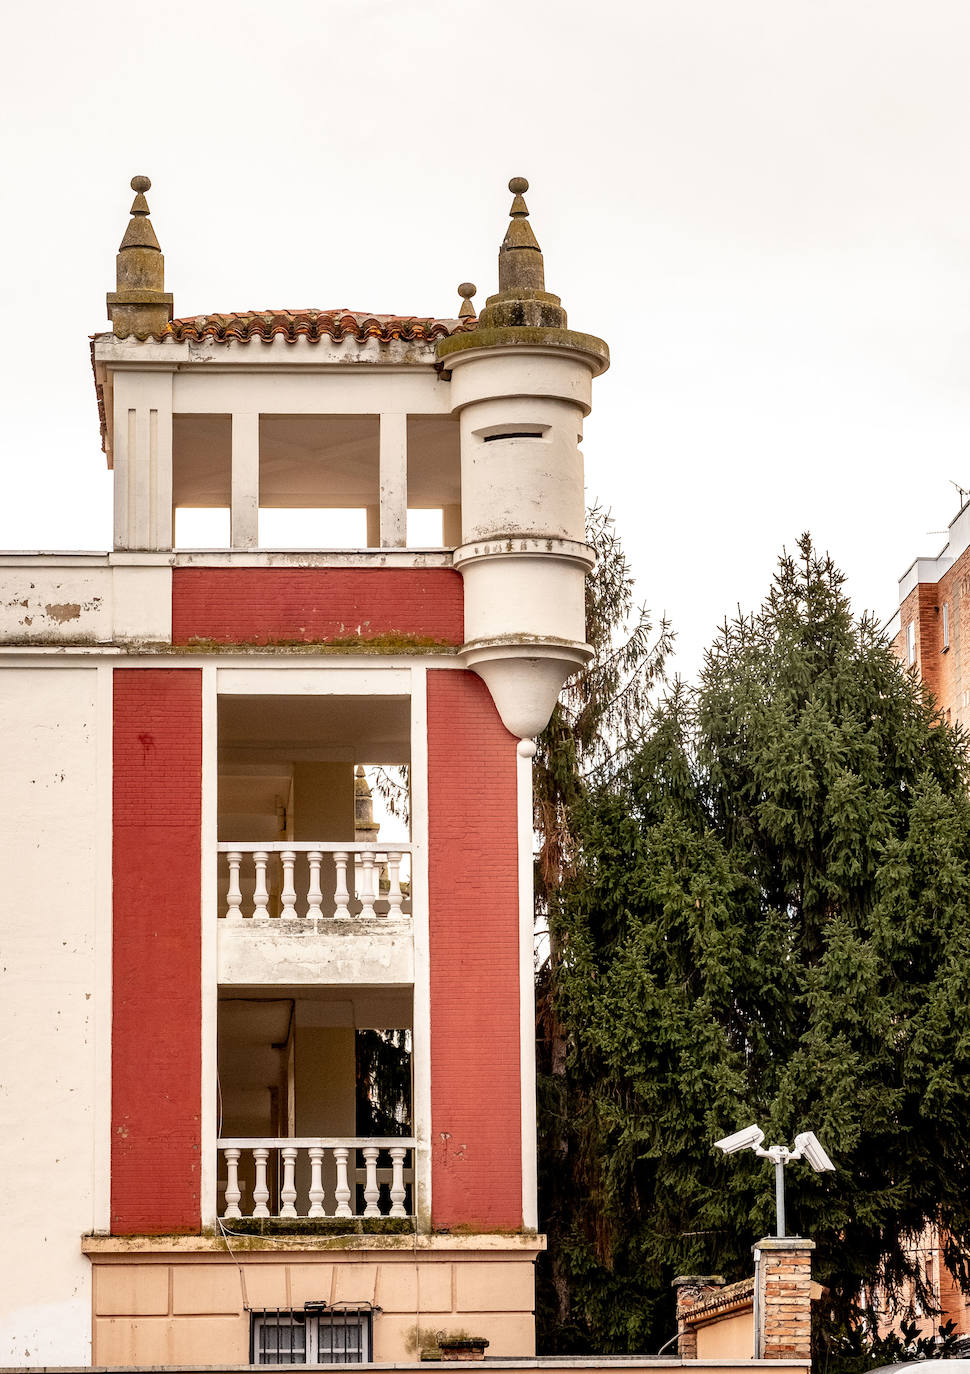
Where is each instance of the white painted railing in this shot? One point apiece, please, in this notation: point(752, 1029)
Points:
point(299, 881)
point(314, 1176)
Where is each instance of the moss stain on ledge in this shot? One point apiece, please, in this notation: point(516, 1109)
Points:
point(376, 644)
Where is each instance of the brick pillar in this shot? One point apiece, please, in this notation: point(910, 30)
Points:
point(690, 1289)
point(783, 1298)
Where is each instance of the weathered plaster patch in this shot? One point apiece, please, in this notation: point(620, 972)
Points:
point(63, 610)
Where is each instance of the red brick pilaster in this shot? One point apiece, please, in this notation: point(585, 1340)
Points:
point(691, 1289)
point(476, 1105)
point(156, 1038)
point(783, 1298)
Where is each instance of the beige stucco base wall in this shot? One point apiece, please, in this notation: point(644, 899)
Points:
point(187, 1301)
point(729, 1338)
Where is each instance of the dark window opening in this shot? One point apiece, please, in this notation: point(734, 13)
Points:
point(514, 434)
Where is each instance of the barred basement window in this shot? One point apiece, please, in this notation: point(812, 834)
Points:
point(317, 1335)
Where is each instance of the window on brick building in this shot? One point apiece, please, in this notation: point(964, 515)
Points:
point(911, 643)
point(946, 625)
point(336, 1335)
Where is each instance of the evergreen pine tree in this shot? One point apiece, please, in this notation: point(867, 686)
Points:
point(766, 918)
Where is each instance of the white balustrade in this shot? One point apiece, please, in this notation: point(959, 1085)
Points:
point(398, 1155)
point(342, 1190)
point(260, 891)
point(371, 1189)
point(234, 893)
point(314, 892)
point(288, 1190)
point(260, 1191)
point(316, 1177)
point(341, 893)
point(288, 894)
point(295, 882)
point(233, 1193)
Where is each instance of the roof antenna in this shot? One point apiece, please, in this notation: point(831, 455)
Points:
point(963, 492)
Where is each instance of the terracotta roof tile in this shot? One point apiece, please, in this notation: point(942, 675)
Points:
point(720, 1301)
point(243, 326)
point(313, 325)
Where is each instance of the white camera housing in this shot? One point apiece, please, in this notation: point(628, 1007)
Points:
point(748, 1139)
point(809, 1147)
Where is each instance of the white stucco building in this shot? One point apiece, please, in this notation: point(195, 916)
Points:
point(194, 941)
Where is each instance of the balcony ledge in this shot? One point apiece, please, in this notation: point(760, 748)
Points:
point(376, 951)
point(518, 1242)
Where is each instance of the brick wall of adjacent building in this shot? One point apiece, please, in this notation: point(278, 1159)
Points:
point(156, 1000)
point(473, 881)
point(304, 605)
point(943, 668)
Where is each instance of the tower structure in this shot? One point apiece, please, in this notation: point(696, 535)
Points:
point(208, 922)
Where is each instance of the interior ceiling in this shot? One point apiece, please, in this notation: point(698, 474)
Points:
point(319, 460)
point(201, 460)
point(243, 1022)
point(434, 461)
point(373, 729)
point(315, 461)
point(254, 1021)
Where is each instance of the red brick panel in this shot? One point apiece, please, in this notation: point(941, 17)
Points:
point(156, 1002)
point(304, 605)
point(476, 1171)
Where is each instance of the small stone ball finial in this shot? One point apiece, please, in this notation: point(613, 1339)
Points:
point(141, 184)
point(466, 290)
point(518, 186)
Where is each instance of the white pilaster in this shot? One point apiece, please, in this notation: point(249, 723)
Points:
point(104, 746)
point(527, 1009)
point(394, 481)
point(244, 498)
point(421, 1033)
point(142, 455)
point(210, 988)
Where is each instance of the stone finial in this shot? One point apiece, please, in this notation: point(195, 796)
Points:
point(467, 290)
point(520, 257)
point(522, 298)
point(139, 305)
point(365, 827)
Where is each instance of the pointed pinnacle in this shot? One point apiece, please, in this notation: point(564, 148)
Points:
point(140, 233)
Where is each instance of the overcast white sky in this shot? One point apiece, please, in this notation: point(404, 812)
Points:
point(762, 205)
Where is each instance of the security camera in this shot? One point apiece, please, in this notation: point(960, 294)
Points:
point(748, 1139)
point(808, 1146)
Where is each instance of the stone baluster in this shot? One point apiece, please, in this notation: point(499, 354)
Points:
point(341, 893)
point(398, 1155)
point(261, 891)
point(260, 1191)
point(371, 1190)
point(288, 891)
point(234, 891)
point(316, 1181)
point(367, 883)
point(342, 1190)
point(233, 1191)
point(288, 1190)
point(314, 892)
point(395, 897)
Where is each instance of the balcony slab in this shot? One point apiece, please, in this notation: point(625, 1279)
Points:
point(327, 953)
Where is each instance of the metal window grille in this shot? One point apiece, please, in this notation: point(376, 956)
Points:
point(279, 1338)
point(338, 1335)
